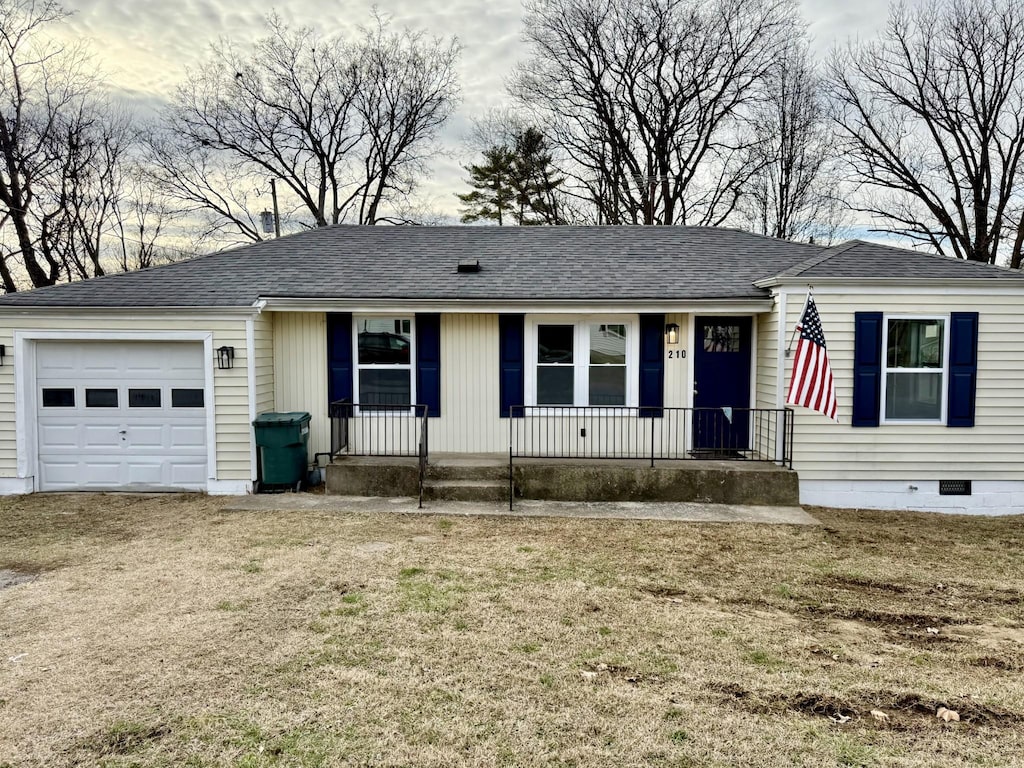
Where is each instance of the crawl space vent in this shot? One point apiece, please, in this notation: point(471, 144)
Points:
point(954, 487)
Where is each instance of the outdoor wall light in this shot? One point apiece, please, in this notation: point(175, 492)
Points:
point(671, 333)
point(225, 357)
point(3, 353)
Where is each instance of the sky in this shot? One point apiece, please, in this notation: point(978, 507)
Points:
point(145, 47)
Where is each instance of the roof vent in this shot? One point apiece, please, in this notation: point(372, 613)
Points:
point(469, 265)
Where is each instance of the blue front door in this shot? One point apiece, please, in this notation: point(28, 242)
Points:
point(721, 384)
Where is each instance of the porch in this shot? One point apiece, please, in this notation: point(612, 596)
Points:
point(492, 478)
point(566, 453)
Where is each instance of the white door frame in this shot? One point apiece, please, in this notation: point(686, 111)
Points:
point(26, 407)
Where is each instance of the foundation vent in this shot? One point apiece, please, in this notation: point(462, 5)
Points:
point(954, 487)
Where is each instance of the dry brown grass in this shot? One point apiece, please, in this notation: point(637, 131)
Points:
point(164, 631)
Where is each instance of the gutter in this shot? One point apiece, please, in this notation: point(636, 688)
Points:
point(514, 306)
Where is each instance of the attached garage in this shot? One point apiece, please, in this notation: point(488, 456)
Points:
point(121, 415)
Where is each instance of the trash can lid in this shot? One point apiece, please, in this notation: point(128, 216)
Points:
point(287, 418)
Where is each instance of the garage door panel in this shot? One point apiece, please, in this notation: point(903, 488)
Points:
point(58, 436)
point(128, 447)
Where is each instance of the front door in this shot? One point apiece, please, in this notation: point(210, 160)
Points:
point(721, 384)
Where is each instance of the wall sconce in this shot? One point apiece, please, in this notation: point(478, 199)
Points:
point(225, 357)
point(3, 353)
point(671, 333)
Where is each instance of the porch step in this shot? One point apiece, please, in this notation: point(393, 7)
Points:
point(465, 490)
point(456, 469)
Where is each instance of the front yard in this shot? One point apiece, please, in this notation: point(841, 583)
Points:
point(164, 631)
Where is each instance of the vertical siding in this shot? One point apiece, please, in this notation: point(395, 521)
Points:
point(230, 386)
point(766, 365)
point(263, 337)
point(469, 387)
point(992, 449)
point(677, 371)
point(300, 371)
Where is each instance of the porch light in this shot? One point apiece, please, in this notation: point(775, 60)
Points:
point(3, 353)
point(671, 333)
point(225, 357)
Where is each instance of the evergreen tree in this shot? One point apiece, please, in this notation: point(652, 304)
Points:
point(493, 192)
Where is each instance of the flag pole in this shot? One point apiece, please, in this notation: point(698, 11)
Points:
point(800, 319)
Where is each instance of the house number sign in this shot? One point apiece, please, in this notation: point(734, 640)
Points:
point(676, 353)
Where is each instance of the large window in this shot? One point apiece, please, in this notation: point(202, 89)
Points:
point(384, 355)
point(581, 361)
point(915, 369)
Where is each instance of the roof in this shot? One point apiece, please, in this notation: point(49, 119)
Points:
point(516, 263)
point(860, 259)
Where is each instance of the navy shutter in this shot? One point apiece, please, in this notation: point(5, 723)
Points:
point(652, 365)
point(867, 368)
point(963, 369)
point(511, 347)
point(428, 362)
point(339, 356)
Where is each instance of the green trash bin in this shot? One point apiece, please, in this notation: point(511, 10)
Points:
point(282, 444)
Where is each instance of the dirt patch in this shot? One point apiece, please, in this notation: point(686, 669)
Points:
point(14, 578)
point(863, 584)
point(895, 620)
point(1003, 664)
point(902, 709)
point(125, 737)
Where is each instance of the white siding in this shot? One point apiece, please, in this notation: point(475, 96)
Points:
point(263, 337)
point(230, 386)
point(992, 449)
point(300, 371)
point(678, 386)
point(766, 366)
point(470, 400)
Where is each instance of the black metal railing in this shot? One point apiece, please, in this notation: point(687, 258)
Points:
point(649, 434)
point(376, 429)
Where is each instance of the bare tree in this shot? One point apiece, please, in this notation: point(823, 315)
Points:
point(931, 118)
point(346, 127)
point(792, 193)
point(644, 97)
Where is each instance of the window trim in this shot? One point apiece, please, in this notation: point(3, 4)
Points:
point(885, 370)
point(581, 357)
point(357, 366)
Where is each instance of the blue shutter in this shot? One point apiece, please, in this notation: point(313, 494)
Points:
point(428, 362)
point(963, 369)
point(652, 365)
point(867, 368)
point(339, 357)
point(511, 347)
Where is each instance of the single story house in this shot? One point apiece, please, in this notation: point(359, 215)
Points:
point(151, 380)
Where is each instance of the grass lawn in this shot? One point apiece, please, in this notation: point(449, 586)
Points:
point(164, 631)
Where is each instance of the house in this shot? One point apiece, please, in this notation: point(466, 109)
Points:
point(571, 341)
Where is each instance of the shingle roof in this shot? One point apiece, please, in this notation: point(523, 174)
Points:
point(860, 259)
point(537, 263)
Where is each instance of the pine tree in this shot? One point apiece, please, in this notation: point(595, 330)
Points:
point(493, 194)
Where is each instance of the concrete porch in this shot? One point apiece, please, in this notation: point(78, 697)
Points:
point(485, 477)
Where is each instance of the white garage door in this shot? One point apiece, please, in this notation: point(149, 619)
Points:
point(121, 416)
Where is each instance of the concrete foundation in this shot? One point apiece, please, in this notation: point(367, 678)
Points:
point(485, 478)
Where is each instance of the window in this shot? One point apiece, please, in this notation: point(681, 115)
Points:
point(143, 398)
point(101, 398)
point(581, 362)
point(58, 398)
point(186, 398)
point(384, 355)
point(913, 381)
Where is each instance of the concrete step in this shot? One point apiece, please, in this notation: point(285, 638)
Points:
point(457, 470)
point(465, 490)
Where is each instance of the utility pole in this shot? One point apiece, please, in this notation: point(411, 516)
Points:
point(277, 215)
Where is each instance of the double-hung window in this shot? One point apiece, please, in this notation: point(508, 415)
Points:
point(914, 372)
point(384, 355)
point(582, 361)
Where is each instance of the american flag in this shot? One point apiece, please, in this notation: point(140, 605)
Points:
point(812, 385)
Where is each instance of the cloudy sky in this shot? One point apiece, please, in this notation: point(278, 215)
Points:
point(145, 45)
